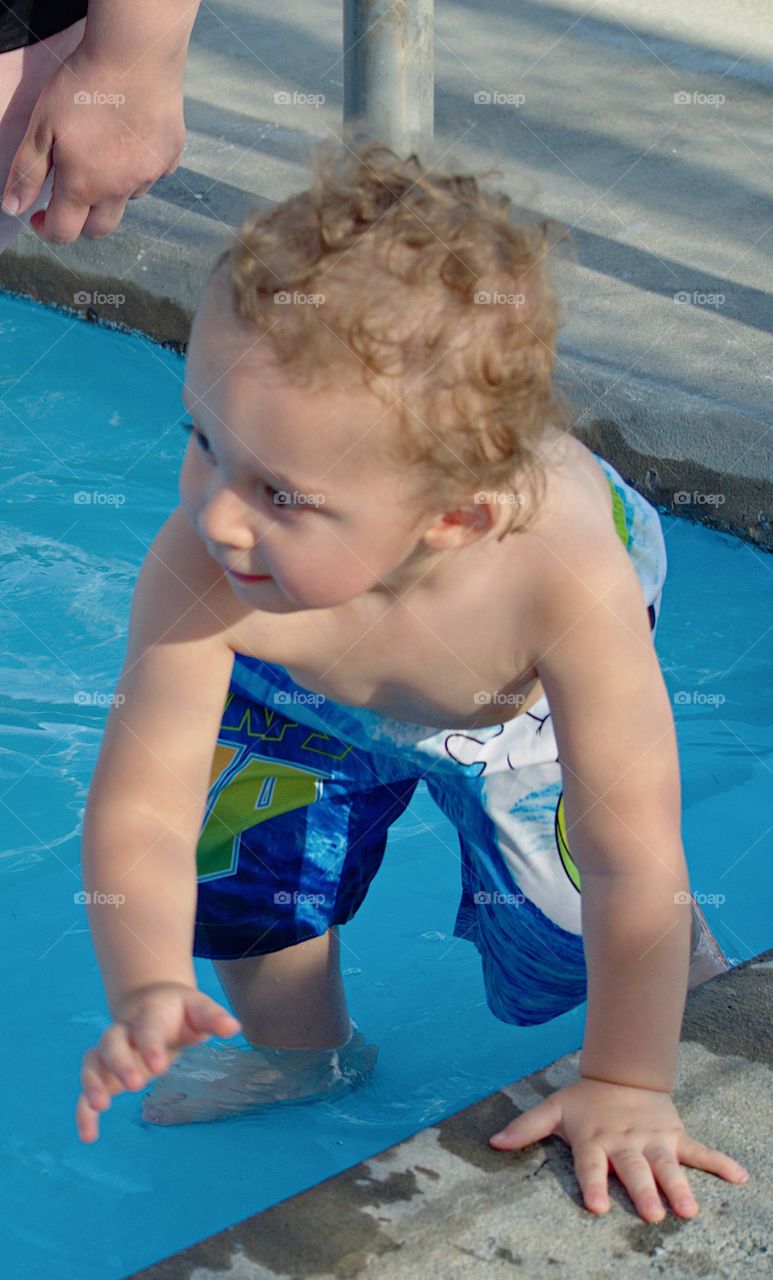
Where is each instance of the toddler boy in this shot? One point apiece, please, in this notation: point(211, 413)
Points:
point(391, 562)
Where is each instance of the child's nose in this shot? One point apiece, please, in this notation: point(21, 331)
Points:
point(223, 521)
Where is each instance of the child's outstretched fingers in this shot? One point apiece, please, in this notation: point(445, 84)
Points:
point(99, 1086)
point(152, 1026)
point(697, 1156)
point(635, 1131)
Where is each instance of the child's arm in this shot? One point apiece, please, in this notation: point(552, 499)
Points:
point(149, 789)
point(620, 772)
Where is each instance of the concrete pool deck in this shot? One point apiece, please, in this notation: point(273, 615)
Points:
point(647, 135)
point(445, 1204)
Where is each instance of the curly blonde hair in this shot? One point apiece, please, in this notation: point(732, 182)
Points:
point(428, 289)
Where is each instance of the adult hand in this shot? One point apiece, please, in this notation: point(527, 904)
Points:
point(109, 133)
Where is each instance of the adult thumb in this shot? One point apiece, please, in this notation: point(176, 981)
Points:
point(28, 172)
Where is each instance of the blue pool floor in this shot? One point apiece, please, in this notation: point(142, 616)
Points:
point(84, 411)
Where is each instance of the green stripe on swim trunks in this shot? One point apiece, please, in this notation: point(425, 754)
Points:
point(618, 511)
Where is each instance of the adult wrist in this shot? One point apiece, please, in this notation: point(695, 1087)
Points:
point(125, 34)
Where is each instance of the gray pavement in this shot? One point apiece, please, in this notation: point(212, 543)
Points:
point(646, 130)
point(444, 1204)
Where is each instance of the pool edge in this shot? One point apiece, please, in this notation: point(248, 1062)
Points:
point(664, 441)
point(397, 1216)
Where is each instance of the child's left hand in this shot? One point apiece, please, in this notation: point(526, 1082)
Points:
point(636, 1132)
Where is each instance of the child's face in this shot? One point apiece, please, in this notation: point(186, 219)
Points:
point(286, 482)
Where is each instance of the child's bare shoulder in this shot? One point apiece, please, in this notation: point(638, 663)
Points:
point(576, 509)
point(572, 554)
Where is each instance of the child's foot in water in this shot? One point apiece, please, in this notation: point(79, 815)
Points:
point(209, 1082)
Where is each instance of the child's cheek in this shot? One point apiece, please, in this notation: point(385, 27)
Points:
point(188, 490)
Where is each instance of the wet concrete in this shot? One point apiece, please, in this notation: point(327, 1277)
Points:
point(645, 131)
point(445, 1204)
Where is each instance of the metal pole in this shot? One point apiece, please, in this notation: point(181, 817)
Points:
point(388, 71)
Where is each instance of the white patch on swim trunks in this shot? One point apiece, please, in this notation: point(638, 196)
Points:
point(473, 747)
point(516, 801)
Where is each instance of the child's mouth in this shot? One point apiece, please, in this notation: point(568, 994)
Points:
point(248, 577)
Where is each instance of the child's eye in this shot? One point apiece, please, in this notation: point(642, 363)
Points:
point(201, 439)
point(280, 498)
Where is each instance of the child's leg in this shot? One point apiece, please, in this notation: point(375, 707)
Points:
point(290, 999)
point(324, 809)
point(521, 900)
point(23, 73)
point(292, 1008)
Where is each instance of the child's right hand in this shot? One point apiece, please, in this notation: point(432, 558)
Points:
point(152, 1025)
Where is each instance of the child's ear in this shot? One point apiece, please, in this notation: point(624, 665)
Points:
point(460, 526)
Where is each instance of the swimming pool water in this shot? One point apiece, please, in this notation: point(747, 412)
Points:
point(91, 450)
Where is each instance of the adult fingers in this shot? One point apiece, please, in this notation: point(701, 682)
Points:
point(29, 170)
point(62, 222)
point(103, 218)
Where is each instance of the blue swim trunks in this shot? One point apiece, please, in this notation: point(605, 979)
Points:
point(304, 789)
